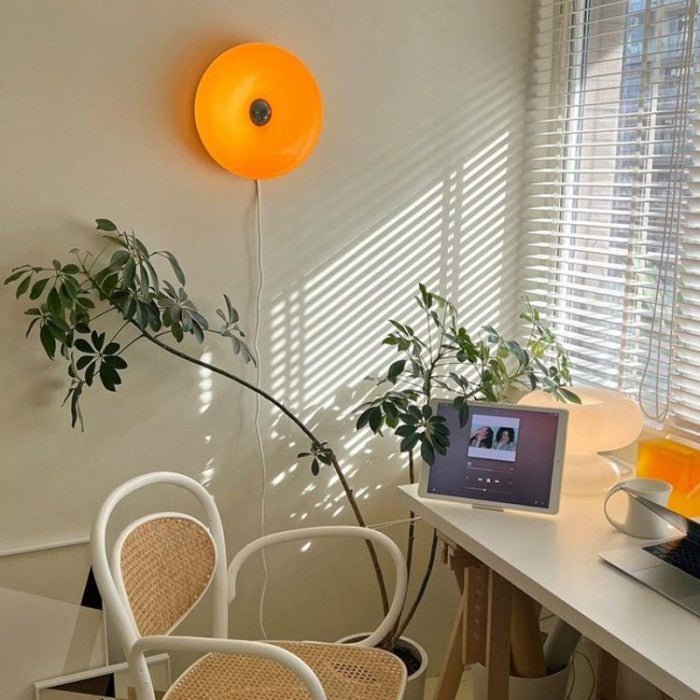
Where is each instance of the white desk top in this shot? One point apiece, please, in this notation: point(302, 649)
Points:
point(553, 558)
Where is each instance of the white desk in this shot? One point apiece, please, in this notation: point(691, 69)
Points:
point(553, 559)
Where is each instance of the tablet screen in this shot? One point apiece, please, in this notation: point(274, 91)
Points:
point(504, 454)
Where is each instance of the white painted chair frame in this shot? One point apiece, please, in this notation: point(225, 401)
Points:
point(223, 587)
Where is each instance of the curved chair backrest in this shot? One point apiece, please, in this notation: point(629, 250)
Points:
point(161, 566)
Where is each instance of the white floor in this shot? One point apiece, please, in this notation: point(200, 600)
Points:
point(465, 688)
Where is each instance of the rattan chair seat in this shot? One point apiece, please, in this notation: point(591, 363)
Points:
point(346, 673)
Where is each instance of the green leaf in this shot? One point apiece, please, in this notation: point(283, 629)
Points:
point(15, 275)
point(140, 247)
point(82, 345)
point(97, 340)
point(90, 373)
point(425, 295)
point(65, 296)
point(38, 288)
point(83, 361)
point(48, 341)
point(176, 267)
point(176, 330)
point(70, 269)
point(116, 362)
point(409, 442)
point(109, 377)
point(119, 258)
point(105, 225)
point(395, 369)
point(363, 419)
point(141, 316)
point(315, 467)
point(569, 395)
point(232, 313)
point(53, 301)
point(23, 286)
point(375, 419)
point(426, 451)
point(197, 332)
point(129, 273)
point(31, 325)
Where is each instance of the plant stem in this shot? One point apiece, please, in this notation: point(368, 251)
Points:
point(361, 521)
point(121, 328)
point(411, 524)
point(411, 539)
point(334, 461)
point(423, 586)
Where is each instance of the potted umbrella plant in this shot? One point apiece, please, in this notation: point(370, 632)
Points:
point(442, 360)
point(72, 302)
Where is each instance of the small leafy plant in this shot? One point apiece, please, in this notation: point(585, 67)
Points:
point(444, 361)
point(447, 362)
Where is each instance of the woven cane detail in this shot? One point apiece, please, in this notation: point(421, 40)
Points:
point(166, 565)
point(346, 673)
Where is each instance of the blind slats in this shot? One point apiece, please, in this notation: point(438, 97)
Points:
point(612, 236)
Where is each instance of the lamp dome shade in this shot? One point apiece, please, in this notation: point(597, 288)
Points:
point(258, 111)
point(605, 419)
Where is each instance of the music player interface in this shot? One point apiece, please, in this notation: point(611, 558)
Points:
point(501, 455)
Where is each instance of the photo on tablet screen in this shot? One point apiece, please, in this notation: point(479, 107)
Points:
point(493, 437)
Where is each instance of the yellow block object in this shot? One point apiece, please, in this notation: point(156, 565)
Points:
point(679, 465)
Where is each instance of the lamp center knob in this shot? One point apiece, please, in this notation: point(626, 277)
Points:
point(260, 112)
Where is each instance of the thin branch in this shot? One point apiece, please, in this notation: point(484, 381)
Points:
point(139, 337)
point(121, 328)
point(104, 313)
point(410, 540)
point(423, 586)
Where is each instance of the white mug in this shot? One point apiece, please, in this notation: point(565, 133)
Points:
point(640, 521)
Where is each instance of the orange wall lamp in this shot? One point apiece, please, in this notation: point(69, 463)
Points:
point(258, 111)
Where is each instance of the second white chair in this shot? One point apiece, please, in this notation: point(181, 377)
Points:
point(160, 568)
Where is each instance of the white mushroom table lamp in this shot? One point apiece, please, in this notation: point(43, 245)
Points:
point(605, 420)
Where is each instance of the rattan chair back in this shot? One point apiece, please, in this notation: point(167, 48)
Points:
point(166, 562)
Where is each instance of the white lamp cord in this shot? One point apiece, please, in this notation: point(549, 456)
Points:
point(258, 305)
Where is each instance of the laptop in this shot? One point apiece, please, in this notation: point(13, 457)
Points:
point(671, 567)
point(504, 457)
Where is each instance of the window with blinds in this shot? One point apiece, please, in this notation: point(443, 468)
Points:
point(612, 242)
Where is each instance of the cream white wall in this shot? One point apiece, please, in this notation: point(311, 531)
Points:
point(416, 177)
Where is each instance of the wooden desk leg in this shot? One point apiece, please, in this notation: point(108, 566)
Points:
point(498, 637)
point(526, 654)
point(607, 676)
point(475, 616)
point(452, 667)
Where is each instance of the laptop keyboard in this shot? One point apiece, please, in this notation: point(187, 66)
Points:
point(682, 554)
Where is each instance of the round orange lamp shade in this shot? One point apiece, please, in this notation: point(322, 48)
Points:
point(258, 111)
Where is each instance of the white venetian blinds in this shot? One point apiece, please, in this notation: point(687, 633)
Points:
point(612, 252)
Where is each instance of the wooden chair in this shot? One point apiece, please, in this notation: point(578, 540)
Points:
point(160, 568)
